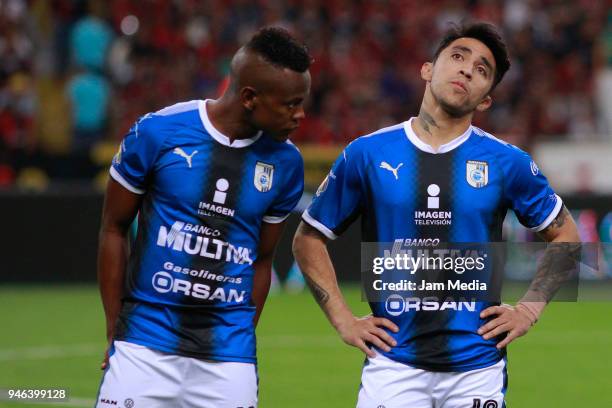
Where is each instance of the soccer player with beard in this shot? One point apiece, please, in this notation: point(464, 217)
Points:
point(436, 164)
point(213, 182)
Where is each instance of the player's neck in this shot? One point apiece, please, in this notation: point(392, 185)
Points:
point(436, 128)
point(229, 120)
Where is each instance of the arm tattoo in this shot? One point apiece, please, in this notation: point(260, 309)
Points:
point(427, 120)
point(559, 265)
point(320, 294)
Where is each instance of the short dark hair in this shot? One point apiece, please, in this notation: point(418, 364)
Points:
point(485, 33)
point(278, 47)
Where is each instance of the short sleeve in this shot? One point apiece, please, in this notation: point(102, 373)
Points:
point(291, 192)
point(531, 197)
point(337, 201)
point(136, 156)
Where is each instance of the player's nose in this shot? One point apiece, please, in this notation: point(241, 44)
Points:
point(299, 113)
point(466, 73)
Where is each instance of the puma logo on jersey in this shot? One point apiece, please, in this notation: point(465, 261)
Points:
point(387, 166)
point(188, 157)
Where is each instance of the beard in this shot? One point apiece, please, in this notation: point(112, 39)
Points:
point(454, 109)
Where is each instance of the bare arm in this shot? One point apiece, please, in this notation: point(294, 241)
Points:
point(559, 260)
point(268, 239)
point(310, 251)
point(120, 208)
point(559, 257)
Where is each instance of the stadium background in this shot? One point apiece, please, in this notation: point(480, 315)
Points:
point(75, 74)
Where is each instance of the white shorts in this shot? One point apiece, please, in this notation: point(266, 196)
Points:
point(139, 377)
point(389, 384)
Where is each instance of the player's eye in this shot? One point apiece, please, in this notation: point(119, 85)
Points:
point(293, 104)
point(482, 71)
point(457, 56)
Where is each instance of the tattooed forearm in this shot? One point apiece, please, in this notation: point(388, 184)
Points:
point(559, 265)
point(320, 294)
point(427, 121)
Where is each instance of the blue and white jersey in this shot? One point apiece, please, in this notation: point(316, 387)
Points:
point(403, 189)
point(190, 276)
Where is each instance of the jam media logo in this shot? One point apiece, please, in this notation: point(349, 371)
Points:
point(264, 174)
point(395, 305)
point(477, 173)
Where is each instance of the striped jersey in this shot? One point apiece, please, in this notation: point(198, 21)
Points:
point(190, 274)
point(404, 190)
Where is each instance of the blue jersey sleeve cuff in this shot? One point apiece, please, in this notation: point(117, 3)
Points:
point(553, 214)
point(270, 219)
point(318, 226)
point(121, 180)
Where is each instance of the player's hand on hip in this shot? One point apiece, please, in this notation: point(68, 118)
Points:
point(106, 356)
point(360, 331)
point(515, 321)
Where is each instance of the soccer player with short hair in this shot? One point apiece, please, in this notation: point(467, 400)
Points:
point(213, 182)
point(398, 178)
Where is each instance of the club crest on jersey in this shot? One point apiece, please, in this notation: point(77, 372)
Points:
point(477, 173)
point(264, 174)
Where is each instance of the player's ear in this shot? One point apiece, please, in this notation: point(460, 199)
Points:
point(427, 71)
point(248, 97)
point(485, 104)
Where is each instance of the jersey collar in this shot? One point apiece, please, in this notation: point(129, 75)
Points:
point(220, 137)
point(421, 145)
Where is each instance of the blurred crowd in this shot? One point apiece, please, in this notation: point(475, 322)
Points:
point(75, 74)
